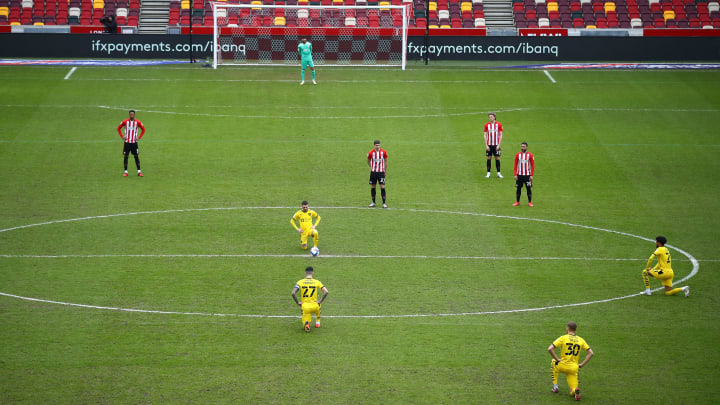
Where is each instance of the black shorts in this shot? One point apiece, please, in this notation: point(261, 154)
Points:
point(493, 151)
point(523, 180)
point(131, 148)
point(377, 177)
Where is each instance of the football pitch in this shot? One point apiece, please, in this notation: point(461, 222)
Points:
point(175, 287)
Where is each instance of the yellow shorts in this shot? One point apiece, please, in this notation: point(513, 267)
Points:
point(310, 307)
point(665, 276)
point(305, 235)
point(571, 373)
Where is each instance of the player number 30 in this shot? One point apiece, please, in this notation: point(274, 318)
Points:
point(573, 349)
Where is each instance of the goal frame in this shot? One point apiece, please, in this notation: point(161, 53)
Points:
point(405, 8)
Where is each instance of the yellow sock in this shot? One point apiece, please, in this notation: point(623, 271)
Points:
point(673, 291)
point(646, 279)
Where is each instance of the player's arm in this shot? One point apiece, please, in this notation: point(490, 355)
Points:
point(515, 166)
point(386, 162)
point(369, 159)
point(485, 136)
point(318, 220)
point(142, 127)
point(499, 137)
point(532, 166)
point(294, 291)
point(551, 350)
point(650, 261)
point(587, 357)
point(119, 129)
point(325, 294)
point(292, 222)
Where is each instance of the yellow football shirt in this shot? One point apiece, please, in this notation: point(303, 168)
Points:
point(309, 288)
point(663, 259)
point(570, 346)
point(306, 219)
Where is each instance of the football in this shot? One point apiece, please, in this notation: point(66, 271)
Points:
point(314, 251)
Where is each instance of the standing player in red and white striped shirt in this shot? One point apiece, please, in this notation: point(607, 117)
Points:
point(524, 172)
point(377, 160)
point(131, 139)
point(493, 137)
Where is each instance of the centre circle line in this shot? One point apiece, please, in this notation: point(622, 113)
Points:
point(693, 260)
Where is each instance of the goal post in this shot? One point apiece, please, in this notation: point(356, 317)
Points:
point(269, 34)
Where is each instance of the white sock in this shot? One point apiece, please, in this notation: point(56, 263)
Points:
point(555, 385)
point(125, 171)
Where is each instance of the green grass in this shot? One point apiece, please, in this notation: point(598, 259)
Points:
point(629, 151)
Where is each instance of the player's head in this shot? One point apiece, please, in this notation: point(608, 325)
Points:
point(571, 326)
point(376, 144)
point(492, 117)
point(132, 114)
point(303, 40)
point(309, 270)
point(660, 241)
point(305, 206)
point(523, 146)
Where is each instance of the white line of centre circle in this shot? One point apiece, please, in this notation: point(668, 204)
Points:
point(693, 272)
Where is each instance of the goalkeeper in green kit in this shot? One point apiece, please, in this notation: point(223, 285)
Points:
point(305, 50)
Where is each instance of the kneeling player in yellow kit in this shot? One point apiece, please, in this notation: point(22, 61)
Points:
point(308, 299)
point(305, 217)
point(662, 270)
point(570, 346)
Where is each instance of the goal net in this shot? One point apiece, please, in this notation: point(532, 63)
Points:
point(269, 34)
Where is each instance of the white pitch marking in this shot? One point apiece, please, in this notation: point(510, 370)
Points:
point(323, 117)
point(549, 76)
point(324, 81)
point(544, 108)
point(299, 255)
point(4, 256)
point(693, 272)
point(508, 311)
point(67, 76)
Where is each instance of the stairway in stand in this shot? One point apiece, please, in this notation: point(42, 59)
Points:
point(154, 17)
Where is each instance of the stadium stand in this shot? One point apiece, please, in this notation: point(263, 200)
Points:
point(440, 14)
point(616, 14)
point(68, 12)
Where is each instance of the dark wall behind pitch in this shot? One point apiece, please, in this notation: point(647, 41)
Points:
point(441, 48)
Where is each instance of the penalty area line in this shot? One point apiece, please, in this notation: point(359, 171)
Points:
point(67, 76)
point(549, 76)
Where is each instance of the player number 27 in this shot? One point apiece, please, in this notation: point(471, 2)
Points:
point(573, 349)
point(306, 289)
